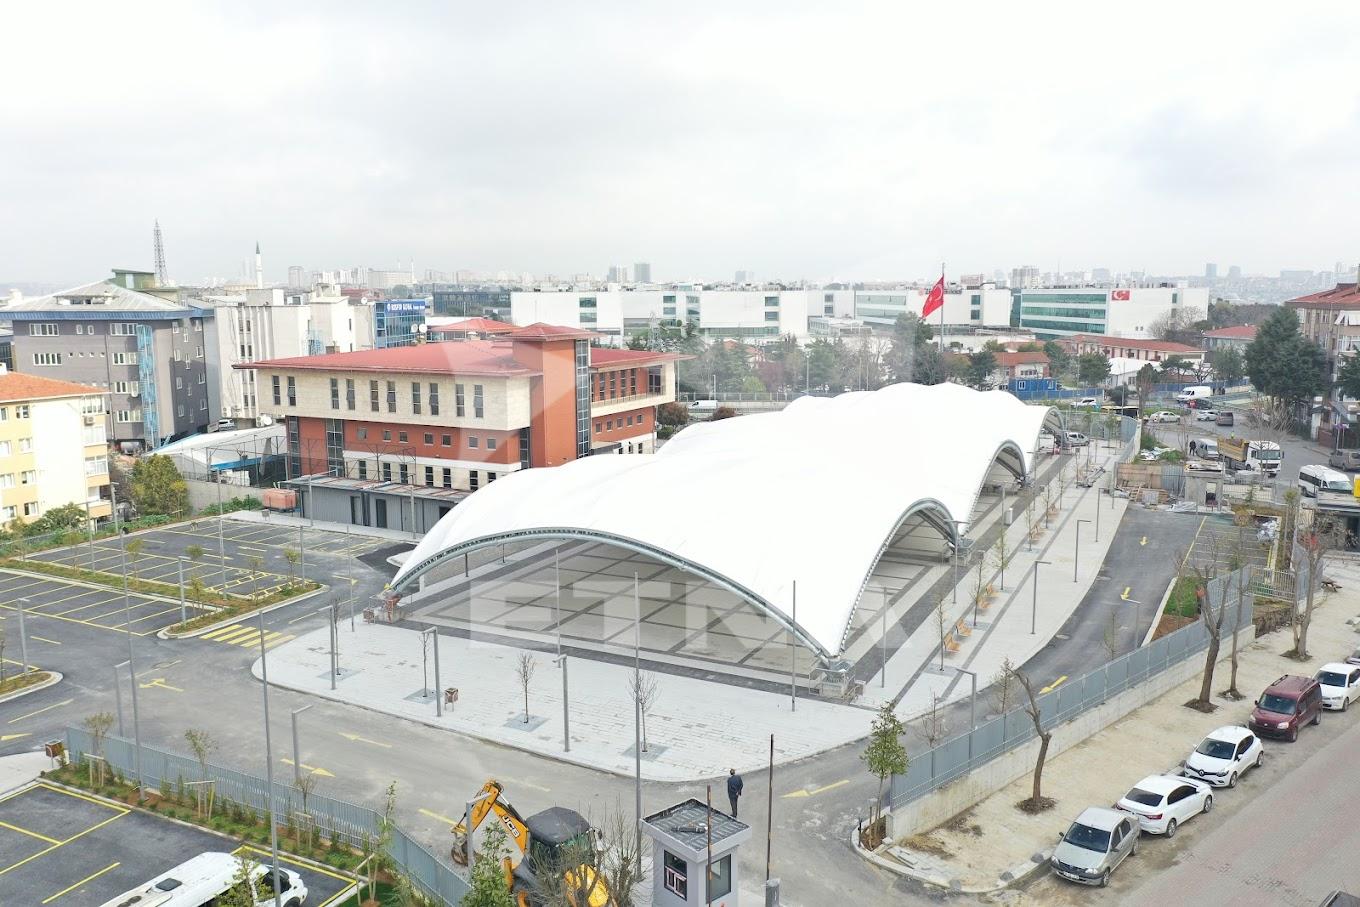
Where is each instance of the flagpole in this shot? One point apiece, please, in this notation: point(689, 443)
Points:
point(942, 309)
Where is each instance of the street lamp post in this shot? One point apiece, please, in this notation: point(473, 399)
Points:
point(1137, 619)
point(972, 709)
point(329, 611)
point(561, 662)
point(118, 696)
point(183, 615)
point(428, 636)
point(1034, 604)
point(131, 662)
point(297, 751)
point(268, 765)
point(1076, 550)
point(883, 677)
point(23, 635)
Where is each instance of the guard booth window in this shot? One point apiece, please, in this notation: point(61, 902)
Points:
point(675, 880)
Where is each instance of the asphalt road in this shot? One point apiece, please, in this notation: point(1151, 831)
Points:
point(1285, 837)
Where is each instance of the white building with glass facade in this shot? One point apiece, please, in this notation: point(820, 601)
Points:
point(1113, 312)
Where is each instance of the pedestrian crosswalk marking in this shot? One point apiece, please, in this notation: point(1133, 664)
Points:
point(246, 637)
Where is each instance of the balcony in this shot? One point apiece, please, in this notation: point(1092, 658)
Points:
point(623, 404)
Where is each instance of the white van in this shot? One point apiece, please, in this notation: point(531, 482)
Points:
point(1204, 448)
point(1315, 478)
point(199, 881)
point(1198, 392)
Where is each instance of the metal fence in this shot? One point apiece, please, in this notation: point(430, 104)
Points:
point(958, 756)
point(332, 818)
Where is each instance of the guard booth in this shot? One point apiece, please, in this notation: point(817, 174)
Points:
point(684, 839)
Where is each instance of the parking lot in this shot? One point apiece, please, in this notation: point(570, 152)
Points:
point(63, 848)
point(72, 603)
point(252, 558)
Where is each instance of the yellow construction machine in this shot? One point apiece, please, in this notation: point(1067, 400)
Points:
point(546, 841)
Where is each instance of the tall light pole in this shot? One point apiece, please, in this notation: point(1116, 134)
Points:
point(23, 635)
point(118, 696)
point(268, 764)
point(1076, 550)
point(972, 709)
point(1137, 619)
point(183, 615)
point(793, 653)
point(430, 636)
point(1034, 603)
point(297, 751)
point(883, 677)
point(561, 662)
point(131, 662)
point(221, 544)
point(637, 710)
point(329, 610)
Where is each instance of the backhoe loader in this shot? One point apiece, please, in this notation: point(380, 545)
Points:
point(545, 842)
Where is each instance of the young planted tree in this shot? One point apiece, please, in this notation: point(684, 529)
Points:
point(1237, 562)
point(244, 890)
point(524, 670)
point(885, 755)
point(1316, 545)
point(256, 565)
point(486, 880)
point(1004, 688)
point(942, 624)
point(1002, 555)
point(645, 688)
point(305, 782)
point(134, 547)
point(98, 726)
point(622, 862)
point(1036, 802)
point(377, 852)
point(294, 557)
point(933, 725)
point(202, 745)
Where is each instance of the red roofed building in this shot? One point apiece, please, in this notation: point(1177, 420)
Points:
point(1129, 348)
point(1233, 338)
point(1019, 365)
point(1325, 318)
point(466, 328)
point(395, 437)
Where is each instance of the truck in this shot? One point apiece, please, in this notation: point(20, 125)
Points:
point(1250, 456)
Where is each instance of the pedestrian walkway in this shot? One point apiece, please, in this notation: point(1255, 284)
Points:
point(288, 520)
point(246, 637)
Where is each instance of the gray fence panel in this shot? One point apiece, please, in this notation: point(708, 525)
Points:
point(333, 818)
point(951, 759)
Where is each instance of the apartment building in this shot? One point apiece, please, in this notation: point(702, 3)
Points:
point(395, 437)
point(137, 342)
point(53, 448)
point(1154, 351)
point(617, 313)
point(1236, 338)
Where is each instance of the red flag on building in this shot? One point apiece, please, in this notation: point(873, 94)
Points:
point(936, 298)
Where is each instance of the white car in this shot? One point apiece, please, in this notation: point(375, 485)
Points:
point(1206, 415)
point(1162, 803)
point(1224, 756)
point(1164, 416)
point(1340, 685)
point(1077, 439)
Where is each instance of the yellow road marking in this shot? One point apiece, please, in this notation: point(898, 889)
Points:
point(81, 621)
point(108, 601)
point(43, 639)
point(310, 867)
point(159, 683)
point(250, 640)
point(425, 812)
point(1143, 540)
point(220, 631)
point(311, 769)
point(31, 834)
point(355, 738)
point(79, 796)
point(237, 634)
point(46, 708)
point(1125, 594)
point(814, 792)
point(1054, 685)
point(91, 876)
point(46, 850)
point(5, 738)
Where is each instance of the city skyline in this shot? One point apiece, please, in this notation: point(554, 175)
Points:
point(564, 142)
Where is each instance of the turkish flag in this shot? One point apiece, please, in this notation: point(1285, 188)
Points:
point(1120, 295)
point(936, 298)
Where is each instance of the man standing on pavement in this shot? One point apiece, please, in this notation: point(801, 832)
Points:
point(733, 789)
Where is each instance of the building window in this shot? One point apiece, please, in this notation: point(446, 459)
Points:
point(458, 408)
point(47, 358)
point(613, 385)
point(477, 410)
point(96, 466)
point(373, 395)
point(124, 358)
point(31, 508)
point(415, 397)
point(448, 477)
point(609, 425)
point(490, 443)
point(446, 440)
point(7, 480)
point(21, 411)
point(404, 474)
point(472, 440)
point(387, 434)
point(8, 512)
point(25, 445)
point(122, 329)
point(126, 415)
point(292, 391)
point(349, 393)
point(335, 446)
point(361, 433)
point(429, 439)
point(391, 396)
point(402, 437)
point(472, 479)
point(387, 472)
point(363, 469)
point(434, 399)
point(28, 477)
point(278, 393)
point(429, 475)
point(597, 426)
point(674, 877)
point(335, 393)
point(4, 413)
point(203, 404)
point(43, 329)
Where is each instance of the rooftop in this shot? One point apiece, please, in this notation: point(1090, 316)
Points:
point(470, 325)
point(1035, 357)
point(1132, 343)
point(1237, 332)
point(18, 386)
point(688, 823)
point(1341, 296)
point(540, 331)
point(94, 298)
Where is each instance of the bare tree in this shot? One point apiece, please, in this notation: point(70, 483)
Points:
point(256, 564)
point(942, 622)
point(202, 745)
point(1002, 554)
point(1037, 802)
point(1211, 614)
point(1004, 688)
point(1110, 638)
point(524, 670)
point(305, 782)
point(133, 549)
point(98, 726)
point(622, 861)
point(294, 557)
point(1315, 544)
point(646, 687)
point(933, 725)
point(1048, 502)
point(1237, 561)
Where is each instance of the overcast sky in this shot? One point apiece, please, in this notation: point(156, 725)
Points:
point(821, 140)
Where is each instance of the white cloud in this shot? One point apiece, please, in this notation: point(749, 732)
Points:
point(800, 140)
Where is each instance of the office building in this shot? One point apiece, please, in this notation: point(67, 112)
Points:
point(297, 278)
point(395, 437)
point(1211, 271)
point(617, 274)
point(642, 272)
point(53, 448)
point(125, 336)
point(985, 306)
point(1117, 312)
point(398, 322)
point(617, 313)
point(1136, 348)
point(1025, 278)
point(472, 303)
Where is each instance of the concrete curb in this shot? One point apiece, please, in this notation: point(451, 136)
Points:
point(53, 678)
point(1013, 876)
point(1161, 610)
point(228, 621)
point(85, 584)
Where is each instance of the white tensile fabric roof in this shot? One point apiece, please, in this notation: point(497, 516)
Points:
point(811, 493)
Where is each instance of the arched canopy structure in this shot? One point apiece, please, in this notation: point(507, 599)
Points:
point(810, 495)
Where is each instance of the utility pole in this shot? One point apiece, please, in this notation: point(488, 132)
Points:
point(297, 752)
point(1034, 606)
point(637, 712)
point(132, 655)
point(268, 765)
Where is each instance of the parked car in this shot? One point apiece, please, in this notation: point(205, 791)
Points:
point(1348, 460)
point(223, 425)
point(1094, 846)
point(1224, 756)
point(1224, 418)
point(1340, 685)
point(1198, 392)
point(1206, 415)
point(1164, 416)
point(1162, 803)
point(1077, 439)
point(1353, 658)
point(1286, 706)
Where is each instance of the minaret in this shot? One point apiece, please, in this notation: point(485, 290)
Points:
point(259, 267)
